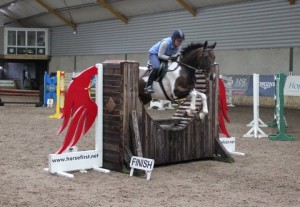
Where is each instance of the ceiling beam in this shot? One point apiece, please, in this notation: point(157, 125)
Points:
point(52, 11)
point(13, 19)
point(292, 2)
point(5, 5)
point(187, 7)
point(113, 11)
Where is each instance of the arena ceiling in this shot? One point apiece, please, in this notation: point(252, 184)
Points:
point(52, 13)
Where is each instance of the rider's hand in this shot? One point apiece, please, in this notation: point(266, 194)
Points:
point(173, 57)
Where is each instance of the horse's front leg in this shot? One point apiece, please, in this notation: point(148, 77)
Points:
point(191, 110)
point(204, 111)
point(194, 95)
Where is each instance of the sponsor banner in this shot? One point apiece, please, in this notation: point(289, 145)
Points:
point(266, 86)
point(292, 86)
point(239, 84)
point(72, 161)
point(7, 83)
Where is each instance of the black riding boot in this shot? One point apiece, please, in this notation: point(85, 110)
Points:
point(152, 77)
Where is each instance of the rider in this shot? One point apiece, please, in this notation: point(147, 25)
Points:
point(164, 50)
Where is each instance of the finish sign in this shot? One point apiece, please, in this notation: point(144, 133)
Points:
point(141, 164)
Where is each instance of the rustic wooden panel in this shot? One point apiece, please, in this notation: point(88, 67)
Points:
point(171, 146)
point(120, 85)
point(195, 141)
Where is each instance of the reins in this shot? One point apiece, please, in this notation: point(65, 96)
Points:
point(193, 68)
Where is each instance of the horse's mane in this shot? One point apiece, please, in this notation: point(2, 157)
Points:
point(190, 48)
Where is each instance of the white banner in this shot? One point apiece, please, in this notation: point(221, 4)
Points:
point(74, 161)
point(292, 86)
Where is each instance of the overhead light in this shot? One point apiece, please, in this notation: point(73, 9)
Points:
point(74, 32)
point(13, 3)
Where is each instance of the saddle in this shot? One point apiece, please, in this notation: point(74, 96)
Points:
point(163, 69)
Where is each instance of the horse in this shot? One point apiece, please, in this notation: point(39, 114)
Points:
point(179, 80)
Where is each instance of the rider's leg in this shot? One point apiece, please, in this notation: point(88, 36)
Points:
point(152, 77)
point(155, 67)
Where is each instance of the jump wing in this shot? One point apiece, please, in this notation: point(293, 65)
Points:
point(223, 109)
point(79, 110)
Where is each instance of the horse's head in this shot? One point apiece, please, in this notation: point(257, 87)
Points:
point(207, 57)
point(199, 56)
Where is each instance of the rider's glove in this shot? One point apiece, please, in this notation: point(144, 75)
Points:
point(174, 57)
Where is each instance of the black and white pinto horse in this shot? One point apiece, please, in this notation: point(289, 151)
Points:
point(179, 81)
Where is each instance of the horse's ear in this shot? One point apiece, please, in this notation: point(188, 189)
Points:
point(214, 45)
point(205, 45)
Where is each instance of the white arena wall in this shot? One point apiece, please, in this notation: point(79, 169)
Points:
point(237, 62)
point(252, 37)
point(232, 62)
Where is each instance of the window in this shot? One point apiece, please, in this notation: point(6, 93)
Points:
point(21, 38)
point(12, 38)
point(40, 38)
point(26, 41)
point(31, 38)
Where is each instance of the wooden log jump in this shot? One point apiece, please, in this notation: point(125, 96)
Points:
point(188, 138)
point(198, 140)
point(19, 93)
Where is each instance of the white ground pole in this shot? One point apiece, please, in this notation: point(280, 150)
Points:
point(255, 131)
point(73, 160)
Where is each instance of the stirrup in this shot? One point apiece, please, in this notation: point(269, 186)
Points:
point(149, 65)
point(148, 90)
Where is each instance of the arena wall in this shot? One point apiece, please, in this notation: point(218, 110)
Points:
point(232, 62)
point(252, 37)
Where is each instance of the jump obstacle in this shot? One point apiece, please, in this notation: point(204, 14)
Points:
point(279, 119)
point(21, 93)
point(73, 160)
point(256, 123)
point(50, 85)
point(54, 90)
point(60, 94)
point(166, 140)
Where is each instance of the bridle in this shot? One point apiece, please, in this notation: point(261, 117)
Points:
point(199, 68)
point(193, 68)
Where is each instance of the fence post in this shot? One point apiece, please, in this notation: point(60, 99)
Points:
point(256, 123)
point(279, 119)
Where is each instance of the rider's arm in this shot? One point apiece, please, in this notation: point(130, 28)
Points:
point(162, 50)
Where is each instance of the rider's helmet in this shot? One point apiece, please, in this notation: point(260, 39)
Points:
point(178, 34)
